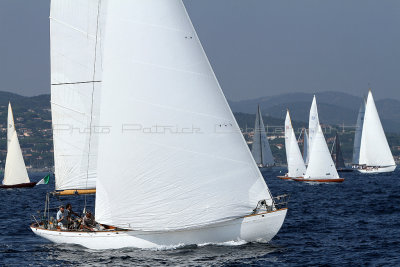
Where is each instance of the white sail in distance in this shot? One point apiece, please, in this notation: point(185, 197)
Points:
point(305, 147)
point(374, 149)
point(313, 124)
point(15, 170)
point(296, 166)
point(75, 33)
point(358, 133)
point(175, 157)
point(260, 148)
point(320, 165)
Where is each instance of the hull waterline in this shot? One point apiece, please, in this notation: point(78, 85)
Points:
point(25, 185)
point(285, 177)
point(259, 227)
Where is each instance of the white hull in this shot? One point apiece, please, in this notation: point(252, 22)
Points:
point(371, 169)
point(260, 227)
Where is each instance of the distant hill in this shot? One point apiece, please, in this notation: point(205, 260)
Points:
point(334, 108)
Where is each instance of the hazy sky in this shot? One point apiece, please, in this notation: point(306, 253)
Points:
point(257, 47)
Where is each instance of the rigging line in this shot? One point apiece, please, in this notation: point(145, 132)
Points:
point(93, 88)
point(55, 84)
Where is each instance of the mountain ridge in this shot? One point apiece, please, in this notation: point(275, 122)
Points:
point(336, 108)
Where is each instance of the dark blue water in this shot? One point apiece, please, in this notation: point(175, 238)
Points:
point(354, 223)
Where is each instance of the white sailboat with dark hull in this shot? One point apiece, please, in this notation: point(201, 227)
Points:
point(206, 187)
point(15, 174)
point(260, 149)
point(374, 155)
point(295, 162)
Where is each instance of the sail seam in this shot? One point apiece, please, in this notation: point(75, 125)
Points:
point(55, 84)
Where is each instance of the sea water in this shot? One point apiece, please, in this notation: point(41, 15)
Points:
point(353, 223)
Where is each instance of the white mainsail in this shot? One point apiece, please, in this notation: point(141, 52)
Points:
point(305, 147)
point(374, 150)
point(358, 133)
point(296, 166)
point(15, 169)
point(313, 124)
point(260, 149)
point(75, 33)
point(174, 157)
point(320, 165)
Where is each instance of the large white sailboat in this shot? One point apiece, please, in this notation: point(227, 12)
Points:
point(374, 153)
point(162, 103)
point(321, 167)
point(295, 162)
point(15, 174)
point(260, 148)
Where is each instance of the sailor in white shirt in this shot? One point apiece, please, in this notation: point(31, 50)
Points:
point(62, 218)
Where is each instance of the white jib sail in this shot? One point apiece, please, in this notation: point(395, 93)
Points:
point(260, 149)
point(358, 133)
point(374, 150)
point(305, 147)
point(15, 169)
point(174, 157)
point(320, 165)
point(313, 124)
point(75, 33)
point(296, 166)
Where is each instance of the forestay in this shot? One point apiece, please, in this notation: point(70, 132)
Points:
point(374, 150)
point(358, 133)
point(175, 157)
point(296, 166)
point(75, 32)
point(15, 169)
point(321, 165)
point(260, 148)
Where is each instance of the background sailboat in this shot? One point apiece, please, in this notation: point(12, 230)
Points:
point(337, 156)
point(260, 149)
point(205, 186)
point(375, 155)
point(305, 146)
point(358, 134)
point(321, 167)
point(296, 166)
point(15, 174)
point(313, 124)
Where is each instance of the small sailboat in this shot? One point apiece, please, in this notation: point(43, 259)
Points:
point(15, 174)
point(337, 156)
point(295, 162)
point(260, 149)
point(374, 155)
point(206, 186)
point(321, 167)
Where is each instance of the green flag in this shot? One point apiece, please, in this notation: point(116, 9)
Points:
point(45, 180)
